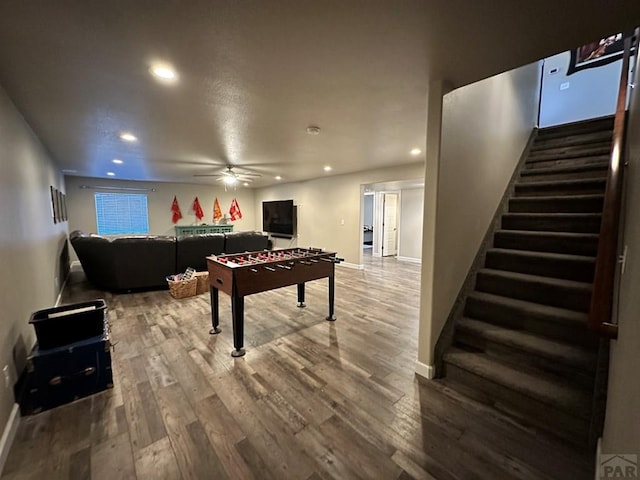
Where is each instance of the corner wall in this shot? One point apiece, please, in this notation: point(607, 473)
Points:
point(485, 127)
point(32, 247)
point(324, 203)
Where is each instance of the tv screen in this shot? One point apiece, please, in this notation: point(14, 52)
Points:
point(279, 217)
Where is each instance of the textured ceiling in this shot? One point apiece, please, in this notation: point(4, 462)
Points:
point(254, 74)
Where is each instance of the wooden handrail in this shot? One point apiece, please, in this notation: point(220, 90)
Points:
point(601, 311)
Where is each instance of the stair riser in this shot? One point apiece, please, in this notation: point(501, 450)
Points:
point(556, 205)
point(541, 224)
point(574, 246)
point(549, 177)
point(588, 128)
point(542, 143)
point(558, 296)
point(580, 375)
point(538, 189)
point(531, 166)
point(525, 409)
point(569, 152)
point(579, 270)
point(533, 322)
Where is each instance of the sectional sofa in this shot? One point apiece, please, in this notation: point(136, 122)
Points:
point(140, 262)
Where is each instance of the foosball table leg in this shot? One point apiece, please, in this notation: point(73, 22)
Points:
point(215, 313)
point(332, 294)
point(301, 303)
point(237, 315)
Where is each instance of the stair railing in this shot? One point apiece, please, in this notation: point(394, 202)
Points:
point(602, 296)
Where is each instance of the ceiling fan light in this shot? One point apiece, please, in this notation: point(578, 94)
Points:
point(229, 180)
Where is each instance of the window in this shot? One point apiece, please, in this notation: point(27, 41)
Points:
point(121, 213)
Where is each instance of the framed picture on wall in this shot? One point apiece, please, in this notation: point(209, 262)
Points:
point(596, 54)
point(64, 207)
point(54, 197)
point(59, 194)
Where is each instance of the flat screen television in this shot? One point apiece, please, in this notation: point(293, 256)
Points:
point(279, 218)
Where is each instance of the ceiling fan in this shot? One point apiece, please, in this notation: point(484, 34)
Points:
point(230, 177)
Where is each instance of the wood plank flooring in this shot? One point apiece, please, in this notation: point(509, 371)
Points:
point(311, 399)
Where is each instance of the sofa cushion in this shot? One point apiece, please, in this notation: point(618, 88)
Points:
point(96, 256)
point(143, 261)
point(192, 250)
point(238, 242)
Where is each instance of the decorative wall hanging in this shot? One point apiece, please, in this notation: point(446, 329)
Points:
point(596, 54)
point(234, 210)
point(175, 209)
point(217, 212)
point(197, 209)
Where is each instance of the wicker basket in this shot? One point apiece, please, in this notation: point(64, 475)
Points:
point(203, 282)
point(182, 288)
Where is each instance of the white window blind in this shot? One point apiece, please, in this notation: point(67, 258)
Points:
point(118, 213)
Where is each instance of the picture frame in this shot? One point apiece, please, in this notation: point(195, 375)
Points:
point(64, 207)
point(596, 54)
point(54, 211)
point(59, 194)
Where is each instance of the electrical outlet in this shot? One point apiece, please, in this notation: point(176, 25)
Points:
point(7, 376)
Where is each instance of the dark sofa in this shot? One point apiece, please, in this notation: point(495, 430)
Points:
point(143, 262)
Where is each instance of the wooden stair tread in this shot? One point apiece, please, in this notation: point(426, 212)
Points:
point(573, 355)
point(574, 401)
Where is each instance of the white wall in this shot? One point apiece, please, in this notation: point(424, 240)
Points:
point(591, 93)
point(485, 127)
point(329, 213)
point(82, 215)
point(621, 430)
point(30, 244)
point(411, 213)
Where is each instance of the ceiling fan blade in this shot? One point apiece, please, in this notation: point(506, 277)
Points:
point(208, 175)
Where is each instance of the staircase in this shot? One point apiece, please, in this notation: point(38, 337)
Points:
point(522, 344)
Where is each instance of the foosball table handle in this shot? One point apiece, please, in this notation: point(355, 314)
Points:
point(271, 269)
point(283, 266)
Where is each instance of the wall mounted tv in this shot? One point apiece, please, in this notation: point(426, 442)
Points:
point(279, 218)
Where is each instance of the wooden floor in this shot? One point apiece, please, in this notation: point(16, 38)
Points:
point(310, 400)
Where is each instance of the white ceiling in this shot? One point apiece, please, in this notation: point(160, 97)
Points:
point(254, 74)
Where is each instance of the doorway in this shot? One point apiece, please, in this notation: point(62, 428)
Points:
point(389, 245)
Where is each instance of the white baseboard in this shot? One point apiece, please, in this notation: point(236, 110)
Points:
point(409, 259)
point(353, 266)
point(9, 434)
point(426, 371)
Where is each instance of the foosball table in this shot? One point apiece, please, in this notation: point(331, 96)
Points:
point(247, 273)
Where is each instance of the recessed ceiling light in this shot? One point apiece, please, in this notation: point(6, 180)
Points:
point(117, 161)
point(128, 137)
point(278, 177)
point(246, 184)
point(164, 73)
point(312, 130)
point(416, 151)
point(111, 174)
point(327, 168)
point(229, 180)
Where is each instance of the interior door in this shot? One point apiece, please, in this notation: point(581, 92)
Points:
point(390, 225)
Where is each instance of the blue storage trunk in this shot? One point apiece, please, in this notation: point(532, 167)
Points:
point(61, 375)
